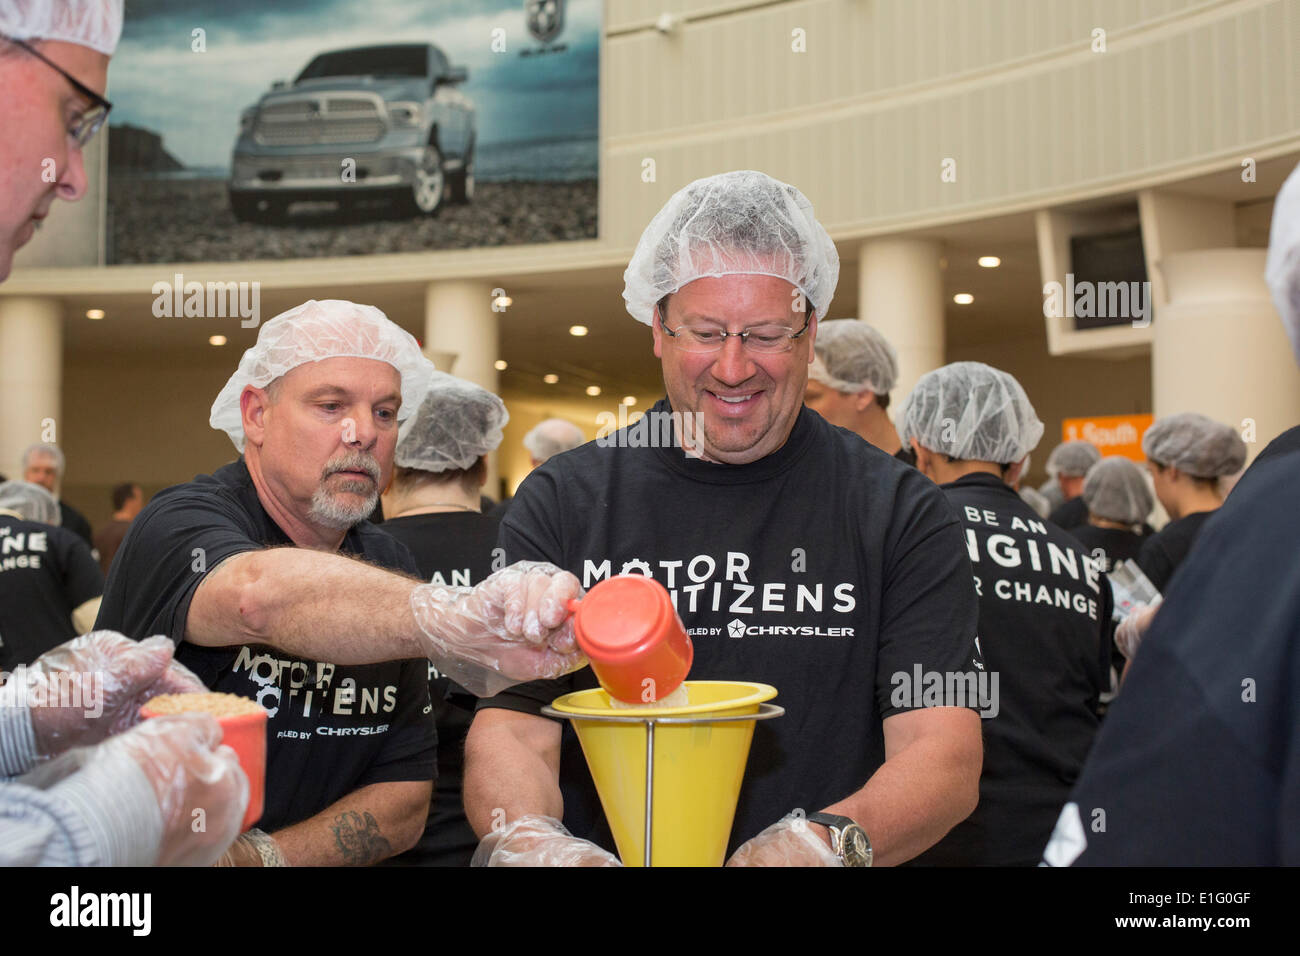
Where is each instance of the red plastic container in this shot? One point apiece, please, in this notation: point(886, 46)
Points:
point(629, 631)
point(246, 735)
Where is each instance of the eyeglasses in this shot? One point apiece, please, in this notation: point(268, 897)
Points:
point(88, 122)
point(767, 339)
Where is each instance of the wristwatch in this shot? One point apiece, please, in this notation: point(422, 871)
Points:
point(848, 840)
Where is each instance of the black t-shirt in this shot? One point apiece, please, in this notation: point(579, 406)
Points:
point(453, 548)
point(1071, 514)
point(1283, 444)
point(906, 456)
point(1165, 550)
point(46, 573)
point(1045, 635)
point(1198, 762)
point(333, 729)
point(827, 569)
point(1110, 546)
point(75, 521)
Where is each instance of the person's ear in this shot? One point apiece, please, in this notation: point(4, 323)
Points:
point(924, 459)
point(253, 406)
point(657, 333)
point(812, 338)
point(862, 400)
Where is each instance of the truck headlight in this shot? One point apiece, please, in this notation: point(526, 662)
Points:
point(405, 114)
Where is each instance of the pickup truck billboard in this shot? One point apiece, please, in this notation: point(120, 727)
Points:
point(320, 127)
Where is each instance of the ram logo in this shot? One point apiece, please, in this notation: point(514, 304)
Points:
point(545, 19)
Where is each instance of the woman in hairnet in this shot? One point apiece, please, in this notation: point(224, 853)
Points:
point(1118, 500)
point(433, 507)
point(1187, 454)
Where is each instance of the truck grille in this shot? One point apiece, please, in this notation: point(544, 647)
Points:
point(320, 120)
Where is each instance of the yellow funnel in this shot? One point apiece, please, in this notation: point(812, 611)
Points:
point(698, 767)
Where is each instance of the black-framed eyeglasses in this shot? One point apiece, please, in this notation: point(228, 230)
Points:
point(89, 120)
point(768, 339)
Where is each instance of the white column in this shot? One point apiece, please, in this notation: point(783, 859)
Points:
point(1218, 345)
point(900, 293)
point(460, 336)
point(31, 377)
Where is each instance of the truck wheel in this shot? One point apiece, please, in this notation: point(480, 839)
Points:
point(424, 195)
point(462, 182)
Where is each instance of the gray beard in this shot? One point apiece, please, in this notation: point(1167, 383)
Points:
point(329, 511)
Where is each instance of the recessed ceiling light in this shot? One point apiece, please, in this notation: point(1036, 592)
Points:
point(500, 365)
point(593, 390)
point(963, 298)
point(216, 340)
point(629, 399)
point(503, 302)
point(94, 313)
point(550, 378)
point(990, 262)
point(578, 330)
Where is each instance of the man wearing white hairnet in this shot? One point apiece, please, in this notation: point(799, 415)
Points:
point(1044, 621)
point(274, 586)
point(1066, 467)
point(49, 582)
point(850, 380)
point(796, 554)
point(83, 799)
point(433, 508)
point(1198, 762)
point(1187, 455)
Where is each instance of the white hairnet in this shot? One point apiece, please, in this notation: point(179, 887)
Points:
point(1283, 268)
point(548, 439)
point(453, 426)
point(737, 223)
point(1073, 458)
point(1117, 490)
point(853, 357)
point(315, 331)
point(1196, 445)
point(972, 412)
point(31, 502)
point(93, 23)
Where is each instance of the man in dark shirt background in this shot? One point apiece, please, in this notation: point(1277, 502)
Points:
point(433, 508)
point(1045, 613)
point(45, 465)
point(128, 499)
point(1067, 466)
point(850, 381)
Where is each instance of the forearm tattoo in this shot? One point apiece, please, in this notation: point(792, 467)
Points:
point(358, 838)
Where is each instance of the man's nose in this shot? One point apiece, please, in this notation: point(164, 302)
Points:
point(72, 184)
point(733, 364)
point(360, 431)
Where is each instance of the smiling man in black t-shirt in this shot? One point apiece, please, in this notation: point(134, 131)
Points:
point(796, 554)
point(275, 587)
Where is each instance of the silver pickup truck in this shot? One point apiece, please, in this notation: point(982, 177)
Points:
point(361, 122)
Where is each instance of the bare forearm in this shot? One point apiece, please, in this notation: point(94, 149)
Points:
point(511, 770)
point(365, 827)
point(310, 604)
point(915, 798)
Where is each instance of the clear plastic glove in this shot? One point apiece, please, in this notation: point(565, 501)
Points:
point(188, 771)
point(535, 840)
point(92, 687)
point(512, 627)
point(1133, 628)
point(253, 848)
point(790, 841)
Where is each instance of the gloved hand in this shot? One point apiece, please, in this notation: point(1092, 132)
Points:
point(188, 772)
point(253, 848)
point(92, 687)
point(536, 840)
point(790, 841)
point(514, 626)
point(1133, 628)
